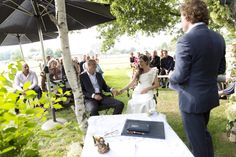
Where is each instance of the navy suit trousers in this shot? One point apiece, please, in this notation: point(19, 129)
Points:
point(93, 106)
point(195, 125)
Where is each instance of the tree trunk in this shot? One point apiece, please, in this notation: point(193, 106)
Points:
point(67, 62)
point(233, 9)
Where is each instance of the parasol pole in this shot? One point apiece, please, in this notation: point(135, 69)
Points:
point(21, 50)
point(46, 70)
point(50, 124)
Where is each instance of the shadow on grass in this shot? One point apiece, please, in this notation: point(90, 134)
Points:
point(56, 141)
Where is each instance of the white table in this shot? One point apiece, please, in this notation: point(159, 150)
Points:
point(125, 146)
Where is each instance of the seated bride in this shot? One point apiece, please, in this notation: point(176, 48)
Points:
point(147, 82)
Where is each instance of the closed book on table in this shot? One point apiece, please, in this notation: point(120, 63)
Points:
point(148, 129)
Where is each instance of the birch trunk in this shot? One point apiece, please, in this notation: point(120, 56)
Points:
point(67, 62)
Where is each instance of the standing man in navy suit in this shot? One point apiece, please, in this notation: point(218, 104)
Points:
point(200, 54)
point(93, 85)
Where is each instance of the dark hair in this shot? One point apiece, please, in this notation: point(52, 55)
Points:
point(91, 62)
point(145, 58)
point(195, 11)
point(165, 51)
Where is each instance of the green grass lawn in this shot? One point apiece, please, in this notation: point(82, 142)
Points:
point(58, 144)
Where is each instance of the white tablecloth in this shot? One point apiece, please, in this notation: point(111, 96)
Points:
point(125, 146)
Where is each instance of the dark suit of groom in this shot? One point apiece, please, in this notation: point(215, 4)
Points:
point(200, 53)
point(93, 85)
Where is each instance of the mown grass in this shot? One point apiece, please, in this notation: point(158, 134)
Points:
point(167, 104)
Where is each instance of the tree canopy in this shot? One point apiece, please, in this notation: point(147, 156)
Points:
point(153, 16)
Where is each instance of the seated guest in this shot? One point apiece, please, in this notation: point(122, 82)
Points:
point(55, 73)
point(63, 73)
point(43, 81)
point(167, 65)
point(133, 63)
point(93, 85)
point(76, 67)
point(221, 81)
point(132, 59)
point(82, 63)
point(43, 75)
point(85, 64)
point(24, 76)
point(230, 74)
point(155, 60)
point(98, 68)
point(148, 55)
point(228, 91)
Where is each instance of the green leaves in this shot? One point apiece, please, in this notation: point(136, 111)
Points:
point(7, 150)
point(26, 85)
point(146, 16)
point(9, 117)
point(221, 15)
point(57, 106)
point(7, 106)
point(4, 81)
point(67, 93)
point(153, 16)
point(17, 130)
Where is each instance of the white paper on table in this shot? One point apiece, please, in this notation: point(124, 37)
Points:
point(150, 148)
point(122, 149)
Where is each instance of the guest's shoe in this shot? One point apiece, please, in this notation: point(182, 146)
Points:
point(223, 97)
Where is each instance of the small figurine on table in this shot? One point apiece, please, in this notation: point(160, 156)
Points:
point(100, 143)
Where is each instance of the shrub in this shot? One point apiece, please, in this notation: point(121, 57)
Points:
point(18, 130)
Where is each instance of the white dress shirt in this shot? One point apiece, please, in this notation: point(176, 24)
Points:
point(194, 25)
point(21, 79)
point(94, 82)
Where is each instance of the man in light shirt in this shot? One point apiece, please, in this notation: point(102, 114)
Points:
point(93, 85)
point(24, 76)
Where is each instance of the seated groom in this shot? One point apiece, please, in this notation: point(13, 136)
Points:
point(93, 84)
point(24, 76)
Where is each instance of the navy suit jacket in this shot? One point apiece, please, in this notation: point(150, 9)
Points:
point(200, 55)
point(87, 87)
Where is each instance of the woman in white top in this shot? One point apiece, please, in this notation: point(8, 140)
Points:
point(147, 82)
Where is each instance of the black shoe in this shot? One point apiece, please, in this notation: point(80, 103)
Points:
point(223, 97)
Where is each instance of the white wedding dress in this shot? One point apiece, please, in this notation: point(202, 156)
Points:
point(143, 103)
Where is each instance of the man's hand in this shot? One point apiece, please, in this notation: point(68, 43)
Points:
point(228, 80)
point(170, 73)
point(120, 92)
point(98, 97)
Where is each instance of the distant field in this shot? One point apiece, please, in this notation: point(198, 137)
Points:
point(106, 62)
point(114, 61)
